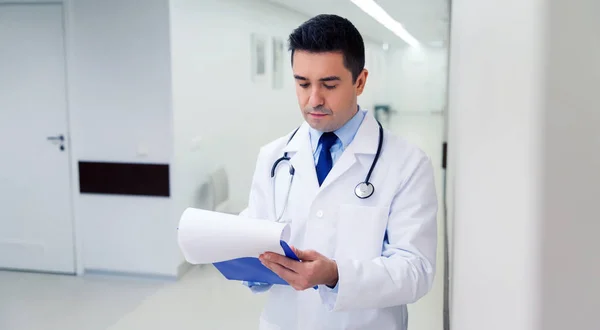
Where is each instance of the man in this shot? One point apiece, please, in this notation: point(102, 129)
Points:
point(367, 256)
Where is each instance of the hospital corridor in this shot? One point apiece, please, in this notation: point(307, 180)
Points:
point(299, 164)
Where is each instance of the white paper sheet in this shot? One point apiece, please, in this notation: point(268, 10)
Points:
point(207, 237)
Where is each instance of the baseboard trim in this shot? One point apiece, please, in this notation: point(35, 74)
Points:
point(112, 273)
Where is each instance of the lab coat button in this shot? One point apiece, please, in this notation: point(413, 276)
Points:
point(319, 214)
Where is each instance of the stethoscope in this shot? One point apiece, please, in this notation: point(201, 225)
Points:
point(362, 190)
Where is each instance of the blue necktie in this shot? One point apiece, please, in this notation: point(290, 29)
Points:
point(325, 162)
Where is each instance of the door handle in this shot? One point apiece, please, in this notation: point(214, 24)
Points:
point(60, 138)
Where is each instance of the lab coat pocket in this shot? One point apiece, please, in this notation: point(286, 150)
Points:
point(360, 231)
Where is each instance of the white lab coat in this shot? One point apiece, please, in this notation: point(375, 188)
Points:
point(377, 277)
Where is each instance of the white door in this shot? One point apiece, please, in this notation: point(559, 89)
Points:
point(36, 228)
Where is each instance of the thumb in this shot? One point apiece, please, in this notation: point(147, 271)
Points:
point(308, 255)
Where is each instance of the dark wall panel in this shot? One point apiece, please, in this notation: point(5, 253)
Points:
point(124, 178)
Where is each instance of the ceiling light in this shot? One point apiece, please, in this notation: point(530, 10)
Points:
point(380, 15)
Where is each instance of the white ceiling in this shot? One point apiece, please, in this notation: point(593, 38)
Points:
point(426, 20)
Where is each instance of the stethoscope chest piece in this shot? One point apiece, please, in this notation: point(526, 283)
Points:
point(364, 190)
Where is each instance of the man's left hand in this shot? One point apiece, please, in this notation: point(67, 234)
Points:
point(313, 269)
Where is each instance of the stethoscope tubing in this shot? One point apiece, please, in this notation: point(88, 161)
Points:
point(292, 171)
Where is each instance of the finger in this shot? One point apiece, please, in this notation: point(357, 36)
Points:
point(283, 261)
point(295, 280)
point(308, 255)
point(294, 249)
point(286, 274)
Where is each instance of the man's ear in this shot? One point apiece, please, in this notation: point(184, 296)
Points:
point(361, 81)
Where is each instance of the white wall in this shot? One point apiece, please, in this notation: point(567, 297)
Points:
point(417, 79)
point(377, 64)
point(523, 145)
point(120, 103)
point(494, 142)
point(570, 264)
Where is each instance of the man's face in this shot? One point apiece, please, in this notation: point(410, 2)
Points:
point(326, 94)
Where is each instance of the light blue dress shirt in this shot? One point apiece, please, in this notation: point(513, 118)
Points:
point(345, 136)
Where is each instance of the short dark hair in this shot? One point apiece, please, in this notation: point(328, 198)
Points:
point(331, 33)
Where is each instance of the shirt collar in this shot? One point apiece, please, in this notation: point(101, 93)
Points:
point(345, 133)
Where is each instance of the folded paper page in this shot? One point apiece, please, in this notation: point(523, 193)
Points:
point(208, 237)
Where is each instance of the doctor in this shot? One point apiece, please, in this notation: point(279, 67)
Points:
point(361, 202)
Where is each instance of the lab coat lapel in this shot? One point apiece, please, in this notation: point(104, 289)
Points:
point(365, 142)
point(301, 157)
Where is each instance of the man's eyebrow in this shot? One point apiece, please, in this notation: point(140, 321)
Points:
point(330, 78)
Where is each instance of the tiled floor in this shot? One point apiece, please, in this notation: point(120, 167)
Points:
point(202, 299)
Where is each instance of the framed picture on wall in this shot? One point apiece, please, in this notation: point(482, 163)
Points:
point(258, 56)
point(278, 54)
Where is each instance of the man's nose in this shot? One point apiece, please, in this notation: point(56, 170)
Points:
point(315, 98)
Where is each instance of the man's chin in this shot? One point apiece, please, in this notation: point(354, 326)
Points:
point(320, 126)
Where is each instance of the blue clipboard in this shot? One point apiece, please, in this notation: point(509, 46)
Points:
point(252, 270)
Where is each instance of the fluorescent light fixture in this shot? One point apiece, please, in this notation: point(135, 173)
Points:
point(380, 15)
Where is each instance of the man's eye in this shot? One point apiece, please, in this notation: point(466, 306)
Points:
point(303, 85)
point(330, 87)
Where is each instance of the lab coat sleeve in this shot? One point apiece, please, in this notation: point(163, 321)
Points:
point(405, 271)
